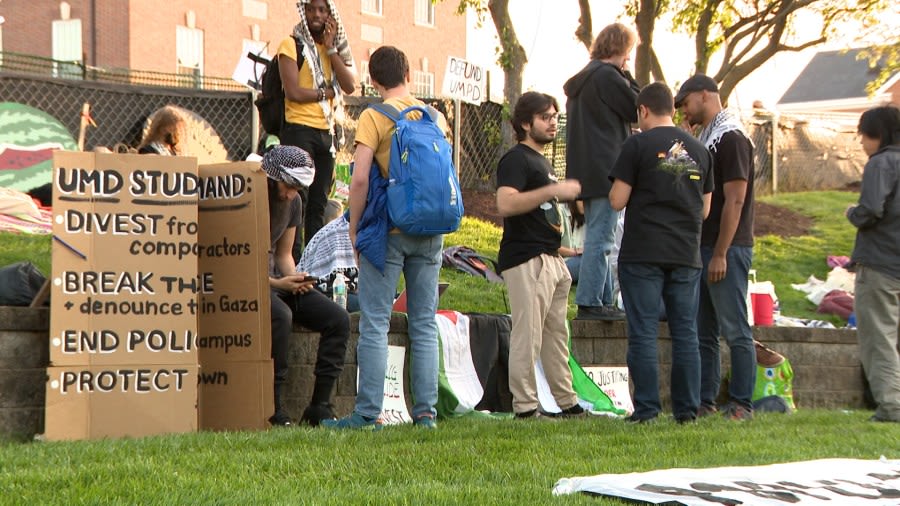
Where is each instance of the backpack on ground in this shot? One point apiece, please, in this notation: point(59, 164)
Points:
point(423, 195)
point(468, 260)
point(270, 102)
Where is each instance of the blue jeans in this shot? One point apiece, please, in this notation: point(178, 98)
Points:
point(594, 281)
point(642, 286)
point(419, 259)
point(723, 312)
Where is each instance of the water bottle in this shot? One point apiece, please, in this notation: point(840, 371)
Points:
point(339, 290)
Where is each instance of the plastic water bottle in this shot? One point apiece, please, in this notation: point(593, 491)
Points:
point(339, 290)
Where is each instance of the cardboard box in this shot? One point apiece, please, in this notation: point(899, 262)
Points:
point(124, 281)
point(236, 395)
point(120, 401)
point(235, 318)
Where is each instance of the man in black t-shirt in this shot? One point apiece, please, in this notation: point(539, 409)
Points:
point(536, 276)
point(726, 249)
point(664, 177)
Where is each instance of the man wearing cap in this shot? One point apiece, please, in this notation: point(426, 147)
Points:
point(289, 170)
point(600, 109)
point(726, 248)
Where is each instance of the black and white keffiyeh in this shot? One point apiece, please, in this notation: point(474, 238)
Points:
point(290, 165)
point(302, 33)
point(725, 121)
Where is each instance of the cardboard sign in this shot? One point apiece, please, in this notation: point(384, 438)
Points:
point(465, 80)
point(124, 280)
point(394, 410)
point(233, 252)
point(614, 383)
point(93, 402)
point(234, 340)
point(124, 296)
point(235, 395)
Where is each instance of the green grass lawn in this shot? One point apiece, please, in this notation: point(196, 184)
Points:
point(781, 260)
point(466, 461)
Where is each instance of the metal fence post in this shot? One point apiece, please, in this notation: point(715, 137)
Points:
point(254, 121)
point(774, 127)
point(457, 119)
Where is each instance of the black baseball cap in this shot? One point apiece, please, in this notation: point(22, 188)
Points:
point(697, 82)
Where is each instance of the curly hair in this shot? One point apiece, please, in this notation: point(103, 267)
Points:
point(613, 40)
point(167, 127)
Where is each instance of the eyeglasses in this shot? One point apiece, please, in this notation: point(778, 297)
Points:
point(548, 117)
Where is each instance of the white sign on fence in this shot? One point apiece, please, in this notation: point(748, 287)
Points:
point(465, 80)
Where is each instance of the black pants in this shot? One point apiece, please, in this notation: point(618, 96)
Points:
point(317, 313)
point(318, 144)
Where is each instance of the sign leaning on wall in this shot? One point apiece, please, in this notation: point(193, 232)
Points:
point(124, 299)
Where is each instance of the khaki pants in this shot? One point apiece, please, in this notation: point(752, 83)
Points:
point(538, 297)
point(877, 304)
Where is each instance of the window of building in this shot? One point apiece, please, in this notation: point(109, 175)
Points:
point(372, 7)
point(423, 84)
point(189, 51)
point(424, 12)
point(67, 48)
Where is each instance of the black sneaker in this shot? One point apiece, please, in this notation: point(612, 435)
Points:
point(315, 413)
point(601, 313)
point(571, 412)
point(280, 419)
point(640, 419)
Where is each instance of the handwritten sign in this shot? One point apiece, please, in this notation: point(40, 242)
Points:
point(614, 383)
point(465, 80)
point(394, 411)
point(235, 318)
point(125, 284)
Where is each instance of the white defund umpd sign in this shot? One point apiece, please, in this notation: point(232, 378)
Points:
point(465, 80)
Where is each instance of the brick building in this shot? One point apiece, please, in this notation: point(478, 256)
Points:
point(206, 37)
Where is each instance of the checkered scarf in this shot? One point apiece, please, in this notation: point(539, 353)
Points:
point(290, 165)
point(725, 121)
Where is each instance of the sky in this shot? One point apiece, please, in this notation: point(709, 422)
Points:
point(546, 28)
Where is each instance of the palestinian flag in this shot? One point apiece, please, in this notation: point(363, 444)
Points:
point(474, 377)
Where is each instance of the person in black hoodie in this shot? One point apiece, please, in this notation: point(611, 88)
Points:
point(601, 106)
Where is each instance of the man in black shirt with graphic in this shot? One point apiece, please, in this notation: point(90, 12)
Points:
point(663, 176)
point(536, 276)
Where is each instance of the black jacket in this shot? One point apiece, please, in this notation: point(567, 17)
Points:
point(600, 109)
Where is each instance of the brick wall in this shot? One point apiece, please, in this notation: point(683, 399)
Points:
point(826, 366)
point(140, 34)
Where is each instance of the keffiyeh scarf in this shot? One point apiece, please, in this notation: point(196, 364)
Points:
point(724, 122)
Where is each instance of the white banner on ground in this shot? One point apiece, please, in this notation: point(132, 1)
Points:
point(828, 481)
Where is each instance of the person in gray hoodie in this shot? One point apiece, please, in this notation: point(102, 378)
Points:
point(876, 259)
point(601, 105)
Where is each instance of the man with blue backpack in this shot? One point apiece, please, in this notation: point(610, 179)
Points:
point(404, 195)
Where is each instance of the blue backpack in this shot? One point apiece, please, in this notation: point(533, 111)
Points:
point(423, 195)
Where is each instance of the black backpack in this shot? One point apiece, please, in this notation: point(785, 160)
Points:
point(270, 102)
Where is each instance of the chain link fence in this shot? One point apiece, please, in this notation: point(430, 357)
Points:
point(793, 153)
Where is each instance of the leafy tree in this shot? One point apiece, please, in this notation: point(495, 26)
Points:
point(747, 32)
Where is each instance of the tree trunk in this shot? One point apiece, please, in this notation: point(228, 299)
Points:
point(585, 31)
point(645, 20)
point(512, 60)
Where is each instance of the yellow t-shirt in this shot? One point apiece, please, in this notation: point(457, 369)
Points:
point(309, 113)
point(374, 129)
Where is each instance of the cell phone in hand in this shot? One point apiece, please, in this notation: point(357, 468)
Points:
point(311, 278)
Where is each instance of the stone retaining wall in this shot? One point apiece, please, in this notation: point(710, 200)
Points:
point(825, 362)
